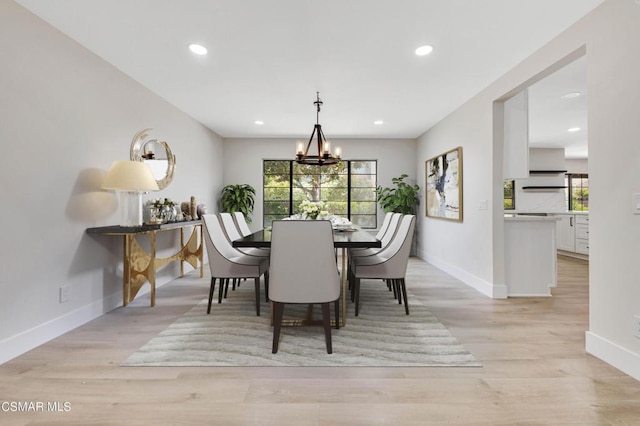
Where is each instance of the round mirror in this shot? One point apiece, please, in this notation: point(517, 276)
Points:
point(156, 154)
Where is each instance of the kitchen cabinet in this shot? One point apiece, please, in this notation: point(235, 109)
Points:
point(566, 232)
point(530, 255)
point(582, 234)
point(572, 234)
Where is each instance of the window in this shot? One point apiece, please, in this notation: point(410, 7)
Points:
point(348, 188)
point(578, 191)
point(509, 195)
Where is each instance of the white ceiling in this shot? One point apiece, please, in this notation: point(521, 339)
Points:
point(267, 59)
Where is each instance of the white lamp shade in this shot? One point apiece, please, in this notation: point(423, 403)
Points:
point(130, 176)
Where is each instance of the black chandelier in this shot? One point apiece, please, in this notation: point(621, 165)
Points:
point(324, 157)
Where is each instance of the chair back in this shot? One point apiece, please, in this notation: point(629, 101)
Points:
point(400, 247)
point(385, 225)
point(242, 224)
point(391, 230)
point(303, 263)
point(230, 227)
point(219, 249)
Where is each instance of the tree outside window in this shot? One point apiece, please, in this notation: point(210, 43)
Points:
point(348, 189)
point(578, 191)
point(509, 195)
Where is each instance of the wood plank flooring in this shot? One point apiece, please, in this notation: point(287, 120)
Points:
point(535, 370)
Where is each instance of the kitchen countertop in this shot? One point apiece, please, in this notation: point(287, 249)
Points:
point(513, 212)
point(529, 218)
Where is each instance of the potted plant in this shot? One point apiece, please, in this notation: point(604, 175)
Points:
point(238, 198)
point(401, 199)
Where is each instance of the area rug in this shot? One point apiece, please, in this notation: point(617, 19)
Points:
point(232, 335)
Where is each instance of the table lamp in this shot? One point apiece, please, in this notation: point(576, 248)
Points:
point(130, 179)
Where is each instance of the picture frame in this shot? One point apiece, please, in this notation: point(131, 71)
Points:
point(443, 185)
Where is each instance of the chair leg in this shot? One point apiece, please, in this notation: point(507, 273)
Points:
point(326, 322)
point(221, 282)
point(233, 284)
point(278, 312)
point(213, 286)
point(398, 290)
point(404, 295)
point(337, 313)
point(356, 289)
point(257, 285)
point(352, 287)
point(392, 284)
point(226, 287)
point(266, 286)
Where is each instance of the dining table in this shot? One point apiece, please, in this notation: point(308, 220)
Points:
point(343, 239)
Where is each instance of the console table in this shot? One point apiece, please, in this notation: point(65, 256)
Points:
point(140, 266)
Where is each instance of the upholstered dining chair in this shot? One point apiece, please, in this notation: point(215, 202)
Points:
point(385, 238)
point(382, 230)
point(226, 262)
point(243, 226)
point(303, 270)
point(233, 233)
point(389, 264)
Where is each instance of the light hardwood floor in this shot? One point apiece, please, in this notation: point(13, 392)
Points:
point(535, 370)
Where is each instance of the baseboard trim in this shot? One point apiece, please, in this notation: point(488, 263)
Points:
point(27, 340)
point(483, 286)
point(621, 358)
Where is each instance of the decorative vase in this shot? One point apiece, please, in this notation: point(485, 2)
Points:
point(154, 215)
point(167, 214)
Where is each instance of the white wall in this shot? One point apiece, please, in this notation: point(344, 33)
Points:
point(577, 165)
point(611, 35)
point(243, 161)
point(66, 116)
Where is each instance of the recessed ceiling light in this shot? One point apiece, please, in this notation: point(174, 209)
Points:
point(571, 95)
point(424, 50)
point(378, 122)
point(573, 129)
point(198, 49)
point(259, 122)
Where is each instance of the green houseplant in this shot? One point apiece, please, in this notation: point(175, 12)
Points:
point(401, 199)
point(238, 198)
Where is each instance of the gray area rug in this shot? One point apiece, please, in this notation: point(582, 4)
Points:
point(232, 335)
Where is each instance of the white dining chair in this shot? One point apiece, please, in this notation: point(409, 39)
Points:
point(243, 226)
point(233, 233)
point(385, 239)
point(303, 270)
point(390, 264)
point(383, 229)
point(225, 262)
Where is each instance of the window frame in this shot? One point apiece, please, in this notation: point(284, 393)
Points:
point(513, 195)
point(349, 188)
point(570, 187)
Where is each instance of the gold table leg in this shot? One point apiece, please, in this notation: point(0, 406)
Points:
point(140, 266)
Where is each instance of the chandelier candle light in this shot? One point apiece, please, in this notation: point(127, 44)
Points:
point(324, 157)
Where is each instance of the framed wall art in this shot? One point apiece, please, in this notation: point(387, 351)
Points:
point(444, 185)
